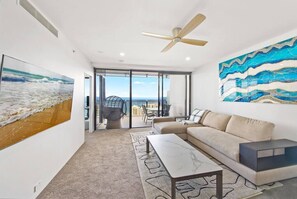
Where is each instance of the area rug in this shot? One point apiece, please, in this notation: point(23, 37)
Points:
point(157, 185)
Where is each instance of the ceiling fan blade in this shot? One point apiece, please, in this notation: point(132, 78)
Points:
point(194, 42)
point(157, 36)
point(170, 45)
point(198, 19)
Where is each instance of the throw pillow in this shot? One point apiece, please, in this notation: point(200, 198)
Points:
point(196, 115)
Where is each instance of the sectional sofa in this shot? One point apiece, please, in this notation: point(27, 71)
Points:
point(220, 135)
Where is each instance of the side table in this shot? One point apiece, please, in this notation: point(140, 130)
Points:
point(266, 155)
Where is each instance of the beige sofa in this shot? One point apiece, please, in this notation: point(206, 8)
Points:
point(220, 135)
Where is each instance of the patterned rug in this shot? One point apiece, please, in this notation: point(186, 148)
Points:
point(157, 185)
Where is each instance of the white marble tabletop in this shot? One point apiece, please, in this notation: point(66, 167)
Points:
point(179, 157)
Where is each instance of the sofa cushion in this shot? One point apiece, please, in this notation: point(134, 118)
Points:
point(216, 120)
point(250, 129)
point(223, 142)
point(173, 127)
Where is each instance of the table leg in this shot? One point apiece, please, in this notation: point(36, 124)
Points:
point(220, 185)
point(173, 183)
point(147, 146)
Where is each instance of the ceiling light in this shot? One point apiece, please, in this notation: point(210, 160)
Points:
point(188, 58)
point(122, 54)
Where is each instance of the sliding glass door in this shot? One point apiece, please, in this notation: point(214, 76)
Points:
point(144, 95)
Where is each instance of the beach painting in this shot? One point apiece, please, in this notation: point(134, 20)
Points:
point(268, 75)
point(32, 99)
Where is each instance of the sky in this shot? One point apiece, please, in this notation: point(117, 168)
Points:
point(142, 87)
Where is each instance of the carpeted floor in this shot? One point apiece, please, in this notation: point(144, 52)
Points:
point(105, 167)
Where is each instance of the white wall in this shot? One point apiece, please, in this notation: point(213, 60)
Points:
point(38, 158)
point(205, 85)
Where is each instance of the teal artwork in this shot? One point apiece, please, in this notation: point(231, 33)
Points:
point(268, 75)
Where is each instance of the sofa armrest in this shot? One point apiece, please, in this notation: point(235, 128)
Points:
point(182, 117)
point(168, 119)
point(163, 119)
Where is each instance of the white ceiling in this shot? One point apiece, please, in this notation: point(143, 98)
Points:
point(102, 29)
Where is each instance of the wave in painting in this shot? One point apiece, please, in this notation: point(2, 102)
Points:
point(286, 50)
point(267, 76)
point(288, 87)
point(276, 96)
point(24, 93)
point(284, 75)
point(255, 71)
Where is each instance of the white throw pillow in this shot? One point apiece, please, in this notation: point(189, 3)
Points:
point(196, 115)
point(192, 116)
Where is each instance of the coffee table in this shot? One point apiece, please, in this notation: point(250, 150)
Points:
point(183, 162)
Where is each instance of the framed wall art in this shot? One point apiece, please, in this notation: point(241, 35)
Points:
point(268, 75)
point(32, 99)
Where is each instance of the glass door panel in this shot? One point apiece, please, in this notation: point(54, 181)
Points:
point(175, 95)
point(165, 95)
point(145, 101)
point(112, 85)
point(98, 116)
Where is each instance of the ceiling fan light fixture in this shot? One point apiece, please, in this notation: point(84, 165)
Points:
point(177, 39)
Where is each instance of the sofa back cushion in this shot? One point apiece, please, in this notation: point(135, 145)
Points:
point(250, 129)
point(216, 120)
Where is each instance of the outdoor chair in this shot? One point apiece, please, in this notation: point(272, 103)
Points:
point(147, 115)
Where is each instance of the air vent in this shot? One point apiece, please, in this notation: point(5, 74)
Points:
point(37, 15)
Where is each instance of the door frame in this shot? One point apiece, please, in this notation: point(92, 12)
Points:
point(188, 83)
point(91, 102)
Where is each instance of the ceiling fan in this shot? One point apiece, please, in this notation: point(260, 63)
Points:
point(179, 33)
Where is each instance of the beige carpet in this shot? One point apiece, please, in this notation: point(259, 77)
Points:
point(104, 167)
point(157, 184)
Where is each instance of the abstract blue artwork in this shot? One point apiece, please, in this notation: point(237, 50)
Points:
point(268, 75)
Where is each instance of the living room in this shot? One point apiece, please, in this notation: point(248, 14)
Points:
point(76, 39)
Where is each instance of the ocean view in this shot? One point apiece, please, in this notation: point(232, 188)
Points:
point(139, 101)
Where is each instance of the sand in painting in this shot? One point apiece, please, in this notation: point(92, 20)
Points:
point(24, 128)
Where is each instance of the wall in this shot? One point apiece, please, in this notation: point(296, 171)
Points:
point(206, 95)
point(38, 159)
